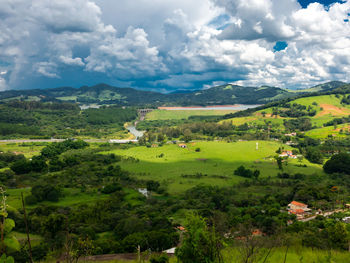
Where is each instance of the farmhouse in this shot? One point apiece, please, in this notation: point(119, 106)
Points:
point(181, 145)
point(346, 219)
point(298, 209)
point(291, 134)
point(288, 154)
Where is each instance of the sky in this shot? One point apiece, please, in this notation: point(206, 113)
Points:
point(168, 45)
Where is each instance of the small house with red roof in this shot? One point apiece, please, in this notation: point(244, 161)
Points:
point(298, 209)
point(288, 154)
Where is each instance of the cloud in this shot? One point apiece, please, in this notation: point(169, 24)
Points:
point(172, 43)
point(46, 69)
point(259, 19)
point(72, 61)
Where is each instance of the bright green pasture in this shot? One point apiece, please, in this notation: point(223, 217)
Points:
point(27, 149)
point(324, 132)
point(324, 99)
point(72, 196)
point(294, 255)
point(67, 98)
point(255, 119)
point(183, 114)
point(216, 160)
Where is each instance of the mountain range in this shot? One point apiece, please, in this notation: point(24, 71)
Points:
point(218, 95)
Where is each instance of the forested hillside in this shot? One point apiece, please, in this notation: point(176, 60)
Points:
point(31, 119)
point(105, 94)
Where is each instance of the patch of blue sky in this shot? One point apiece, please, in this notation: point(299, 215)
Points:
point(280, 45)
point(220, 22)
point(305, 3)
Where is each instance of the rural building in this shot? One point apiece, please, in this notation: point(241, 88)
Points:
point(143, 191)
point(181, 145)
point(346, 219)
point(288, 154)
point(291, 134)
point(170, 251)
point(298, 209)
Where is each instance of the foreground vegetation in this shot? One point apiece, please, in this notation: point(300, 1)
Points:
point(215, 187)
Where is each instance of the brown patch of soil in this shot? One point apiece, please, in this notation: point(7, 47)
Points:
point(333, 110)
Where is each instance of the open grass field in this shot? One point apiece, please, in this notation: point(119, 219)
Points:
point(72, 196)
point(328, 107)
point(341, 131)
point(294, 255)
point(216, 161)
point(183, 114)
point(27, 149)
point(257, 118)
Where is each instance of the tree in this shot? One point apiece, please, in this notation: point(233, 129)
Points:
point(152, 185)
point(279, 162)
point(200, 244)
point(9, 242)
point(243, 172)
point(338, 236)
point(339, 163)
point(253, 248)
point(314, 155)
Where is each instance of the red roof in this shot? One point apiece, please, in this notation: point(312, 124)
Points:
point(297, 203)
point(297, 211)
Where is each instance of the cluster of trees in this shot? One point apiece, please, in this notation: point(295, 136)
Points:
point(45, 120)
point(346, 100)
point(56, 148)
point(300, 124)
point(109, 115)
point(247, 173)
point(294, 110)
point(337, 121)
point(45, 192)
point(339, 163)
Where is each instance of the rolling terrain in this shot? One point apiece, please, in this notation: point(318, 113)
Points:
point(106, 94)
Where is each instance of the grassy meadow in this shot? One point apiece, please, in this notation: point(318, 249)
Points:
point(27, 149)
point(183, 114)
point(176, 167)
point(327, 107)
point(294, 255)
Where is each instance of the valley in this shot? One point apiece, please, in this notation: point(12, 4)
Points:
point(126, 176)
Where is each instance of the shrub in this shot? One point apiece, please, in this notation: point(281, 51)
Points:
point(162, 258)
point(111, 188)
point(31, 200)
point(339, 163)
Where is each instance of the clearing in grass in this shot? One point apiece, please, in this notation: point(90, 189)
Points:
point(213, 164)
point(183, 114)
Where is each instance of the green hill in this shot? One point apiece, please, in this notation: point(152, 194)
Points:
point(105, 94)
point(320, 116)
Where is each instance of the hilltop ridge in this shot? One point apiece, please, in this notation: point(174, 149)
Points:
point(218, 95)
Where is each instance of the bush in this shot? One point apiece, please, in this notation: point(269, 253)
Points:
point(162, 258)
point(247, 173)
point(31, 200)
point(339, 163)
point(111, 188)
